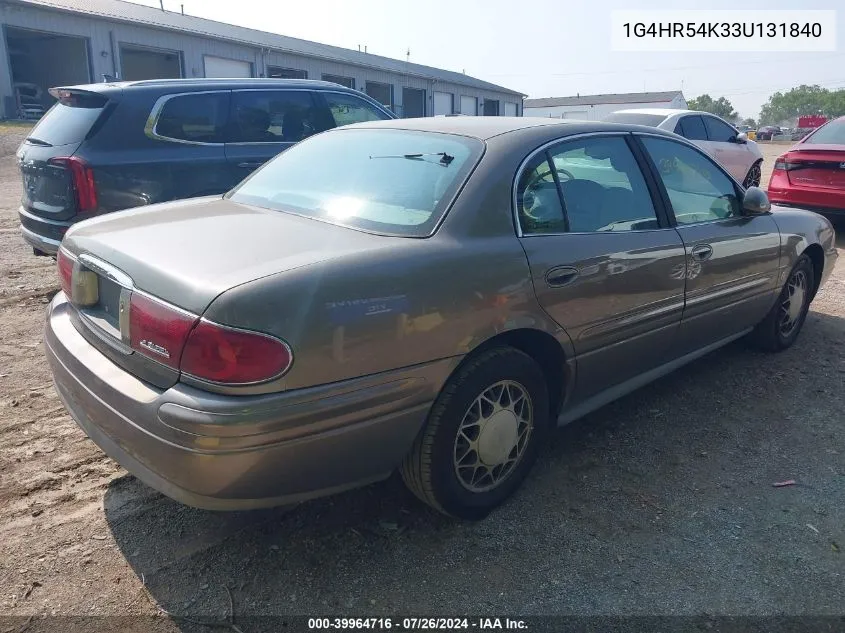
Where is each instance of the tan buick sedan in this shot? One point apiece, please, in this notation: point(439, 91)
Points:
point(426, 295)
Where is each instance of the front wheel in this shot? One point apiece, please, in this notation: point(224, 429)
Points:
point(482, 435)
point(780, 328)
point(752, 178)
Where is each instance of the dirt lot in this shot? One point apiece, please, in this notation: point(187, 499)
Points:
point(661, 503)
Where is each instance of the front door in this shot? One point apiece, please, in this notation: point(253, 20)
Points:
point(732, 259)
point(266, 122)
point(605, 265)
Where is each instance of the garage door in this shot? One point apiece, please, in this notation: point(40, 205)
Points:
point(226, 68)
point(510, 109)
point(442, 103)
point(578, 115)
point(469, 105)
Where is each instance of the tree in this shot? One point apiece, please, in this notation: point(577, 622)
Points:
point(750, 123)
point(785, 107)
point(720, 107)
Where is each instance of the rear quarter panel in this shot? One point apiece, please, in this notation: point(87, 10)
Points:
point(798, 230)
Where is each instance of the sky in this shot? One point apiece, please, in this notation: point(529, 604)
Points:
point(544, 49)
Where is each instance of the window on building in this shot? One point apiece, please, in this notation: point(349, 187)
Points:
point(277, 72)
point(200, 118)
point(383, 93)
point(349, 82)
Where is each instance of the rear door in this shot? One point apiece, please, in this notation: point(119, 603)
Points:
point(263, 123)
point(732, 259)
point(605, 263)
point(48, 187)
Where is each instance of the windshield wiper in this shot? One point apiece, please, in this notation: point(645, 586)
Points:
point(445, 158)
point(38, 141)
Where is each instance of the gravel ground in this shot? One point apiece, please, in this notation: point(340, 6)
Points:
point(661, 503)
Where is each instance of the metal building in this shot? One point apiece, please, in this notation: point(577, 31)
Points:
point(596, 107)
point(61, 42)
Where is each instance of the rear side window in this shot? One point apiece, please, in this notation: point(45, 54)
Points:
point(69, 120)
point(636, 118)
point(718, 131)
point(692, 127)
point(832, 133)
point(273, 116)
point(196, 118)
point(347, 109)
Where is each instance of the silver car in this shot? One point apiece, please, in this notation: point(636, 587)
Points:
point(429, 295)
point(740, 156)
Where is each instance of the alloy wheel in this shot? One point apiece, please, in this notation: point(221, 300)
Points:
point(792, 305)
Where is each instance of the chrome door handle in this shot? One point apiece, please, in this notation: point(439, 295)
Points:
point(251, 164)
point(702, 252)
point(561, 276)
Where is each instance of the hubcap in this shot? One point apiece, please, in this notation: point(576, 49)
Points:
point(793, 303)
point(492, 437)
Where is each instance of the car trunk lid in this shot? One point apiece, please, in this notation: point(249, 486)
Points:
point(185, 254)
point(821, 166)
point(57, 185)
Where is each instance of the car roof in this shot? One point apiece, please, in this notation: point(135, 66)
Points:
point(666, 112)
point(188, 85)
point(486, 127)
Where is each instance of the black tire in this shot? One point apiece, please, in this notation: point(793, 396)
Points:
point(430, 470)
point(772, 333)
point(752, 178)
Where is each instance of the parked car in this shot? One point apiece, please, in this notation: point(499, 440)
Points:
point(766, 132)
point(732, 148)
point(800, 133)
point(430, 295)
point(111, 146)
point(811, 175)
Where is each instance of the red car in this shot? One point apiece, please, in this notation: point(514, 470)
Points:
point(811, 175)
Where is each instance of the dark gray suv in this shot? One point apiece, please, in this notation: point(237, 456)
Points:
point(112, 146)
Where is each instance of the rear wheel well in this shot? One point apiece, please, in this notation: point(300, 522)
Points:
point(546, 352)
point(816, 255)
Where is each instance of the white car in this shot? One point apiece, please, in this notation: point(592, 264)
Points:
point(738, 155)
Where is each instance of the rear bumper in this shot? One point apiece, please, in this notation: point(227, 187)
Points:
point(823, 201)
point(42, 233)
point(240, 452)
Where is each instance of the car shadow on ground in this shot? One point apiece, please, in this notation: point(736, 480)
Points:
point(637, 505)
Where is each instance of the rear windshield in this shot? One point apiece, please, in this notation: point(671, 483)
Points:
point(394, 182)
point(832, 133)
point(636, 118)
point(64, 124)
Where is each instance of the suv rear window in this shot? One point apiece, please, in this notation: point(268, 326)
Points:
point(69, 120)
point(387, 181)
point(199, 118)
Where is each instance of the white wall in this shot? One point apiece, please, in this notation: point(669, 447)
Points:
point(596, 112)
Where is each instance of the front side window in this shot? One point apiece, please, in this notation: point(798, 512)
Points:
point(692, 127)
point(198, 118)
point(698, 190)
point(602, 185)
point(273, 116)
point(393, 182)
point(719, 131)
point(347, 109)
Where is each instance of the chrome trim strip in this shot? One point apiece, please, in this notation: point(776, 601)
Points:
point(155, 113)
point(106, 270)
point(45, 244)
point(718, 294)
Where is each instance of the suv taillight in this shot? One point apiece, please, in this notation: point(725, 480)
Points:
point(65, 262)
point(230, 356)
point(82, 176)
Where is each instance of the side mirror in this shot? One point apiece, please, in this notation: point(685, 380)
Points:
point(755, 202)
point(742, 137)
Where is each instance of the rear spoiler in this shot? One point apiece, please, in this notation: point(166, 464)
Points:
point(79, 98)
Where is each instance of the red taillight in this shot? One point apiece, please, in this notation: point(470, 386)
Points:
point(82, 176)
point(65, 264)
point(782, 164)
point(158, 330)
point(225, 355)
